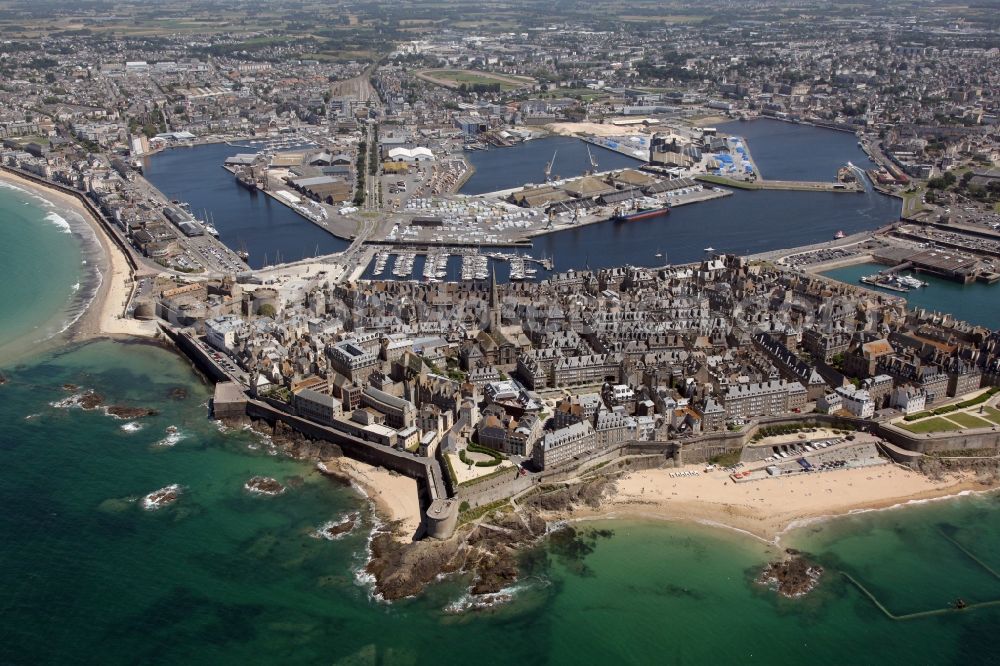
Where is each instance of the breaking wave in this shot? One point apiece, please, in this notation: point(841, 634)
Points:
point(59, 221)
point(173, 436)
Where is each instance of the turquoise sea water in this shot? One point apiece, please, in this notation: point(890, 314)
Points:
point(45, 283)
point(977, 303)
point(88, 576)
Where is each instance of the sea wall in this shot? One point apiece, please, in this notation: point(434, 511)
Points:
point(944, 441)
point(353, 447)
point(626, 455)
point(197, 355)
point(86, 202)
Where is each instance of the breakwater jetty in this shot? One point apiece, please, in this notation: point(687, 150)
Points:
point(791, 185)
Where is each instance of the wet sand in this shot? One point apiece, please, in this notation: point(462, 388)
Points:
point(767, 508)
point(395, 496)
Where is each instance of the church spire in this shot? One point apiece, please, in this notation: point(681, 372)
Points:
point(495, 316)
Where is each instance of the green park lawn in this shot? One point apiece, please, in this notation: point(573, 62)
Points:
point(990, 414)
point(461, 76)
point(970, 420)
point(936, 424)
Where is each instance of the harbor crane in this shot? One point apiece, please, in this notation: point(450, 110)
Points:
point(548, 167)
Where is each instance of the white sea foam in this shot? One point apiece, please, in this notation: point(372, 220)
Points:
point(253, 490)
point(474, 602)
point(361, 575)
point(69, 222)
point(69, 402)
point(263, 437)
point(4, 185)
point(805, 522)
point(132, 426)
point(555, 526)
point(160, 498)
point(59, 221)
point(84, 304)
point(321, 531)
point(173, 436)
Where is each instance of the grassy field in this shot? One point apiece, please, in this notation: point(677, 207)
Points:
point(453, 78)
point(969, 420)
point(668, 18)
point(586, 94)
point(912, 202)
point(936, 424)
point(990, 414)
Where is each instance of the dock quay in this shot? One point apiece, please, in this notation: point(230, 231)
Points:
point(946, 264)
point(789, 185)
point(881, 280)
point(469, 172)
point(637, 151)
point(424, 243)
point(291, 199)
point(474, 264)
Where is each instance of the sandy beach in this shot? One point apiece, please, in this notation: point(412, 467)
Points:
point(767, 508)
point(395, 496)
point(104, 315)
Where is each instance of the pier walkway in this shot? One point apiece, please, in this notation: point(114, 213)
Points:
point(959, 605)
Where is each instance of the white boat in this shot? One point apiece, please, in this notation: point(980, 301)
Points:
point(910, 281)
point(709, 249)
point(211, 229)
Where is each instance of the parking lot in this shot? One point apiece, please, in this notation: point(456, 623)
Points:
point(822, 455)
point(224, 362)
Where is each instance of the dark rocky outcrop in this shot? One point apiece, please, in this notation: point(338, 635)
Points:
point(333, 530)
point(126, 412)
point(264, 485)
point(297, 445)
point(91, 400)
point(589, 493)
point(486, 549)
point(794, 576)
point(161, 498)
point(404, 569)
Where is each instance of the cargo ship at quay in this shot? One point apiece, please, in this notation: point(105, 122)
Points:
point(640, 213)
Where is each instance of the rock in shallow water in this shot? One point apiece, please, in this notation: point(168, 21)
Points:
point(335, 529)
point(91, 400)
point(264, 485)
point(160, 498)
point(125, 412)
point(792, 577)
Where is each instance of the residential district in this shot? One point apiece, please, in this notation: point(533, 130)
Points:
point(484, 390)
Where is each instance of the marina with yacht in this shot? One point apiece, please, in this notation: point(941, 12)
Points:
point(570, 218)
point(893, 282)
